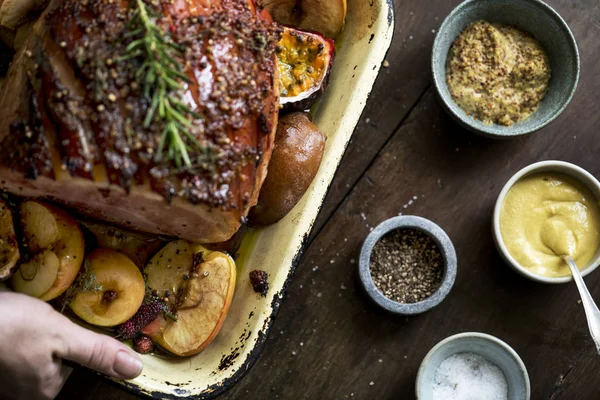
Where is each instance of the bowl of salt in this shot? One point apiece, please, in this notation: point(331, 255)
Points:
point(472, 365)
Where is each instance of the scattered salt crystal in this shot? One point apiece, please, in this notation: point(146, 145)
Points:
point(380, 360)
point(332, 261)
point(363, 216)
point(367, 120)
point(415, 197)
point(343, 287)
point(319, 294)
point(371, 383)
point(468, 376)
point(433, 31)
point(386, 63)
point(352, 261)
point(410, 37)
point(301, 344)
point(315, 268)
point(293, 353)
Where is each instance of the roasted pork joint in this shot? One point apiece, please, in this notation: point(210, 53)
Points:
point(155, 115)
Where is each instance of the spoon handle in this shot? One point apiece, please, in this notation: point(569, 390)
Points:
point(591, 310)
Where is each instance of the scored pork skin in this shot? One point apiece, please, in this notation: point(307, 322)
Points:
point(71, 117)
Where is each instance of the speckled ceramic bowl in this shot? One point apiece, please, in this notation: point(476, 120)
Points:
point(562, 167)
point(533, 16)
point(444, 244)
point(488, 347)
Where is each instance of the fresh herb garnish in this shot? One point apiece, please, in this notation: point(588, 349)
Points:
point(160, 76)
point(151, 297)
point(85, 282)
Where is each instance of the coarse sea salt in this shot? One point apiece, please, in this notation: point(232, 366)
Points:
point(468, 376)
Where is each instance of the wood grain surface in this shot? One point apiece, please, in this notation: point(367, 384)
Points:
point(328, 342)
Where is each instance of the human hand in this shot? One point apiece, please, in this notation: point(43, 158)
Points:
point(34, 339)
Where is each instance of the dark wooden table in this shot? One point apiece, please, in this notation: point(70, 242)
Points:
point(328, 342)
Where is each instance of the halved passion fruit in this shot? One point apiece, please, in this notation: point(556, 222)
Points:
point(304, 61)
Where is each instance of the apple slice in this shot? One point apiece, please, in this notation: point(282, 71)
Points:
point(46, 227)
point(116, 293)
point(36, 276)
point(40, 227)
point(9, 248)
point(166, 270)
point(324, 16)
point(202, 302)
point(136, 245)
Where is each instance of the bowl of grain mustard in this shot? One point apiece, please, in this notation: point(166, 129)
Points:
point(505, 68)
point(546, 211)
point(407, 265)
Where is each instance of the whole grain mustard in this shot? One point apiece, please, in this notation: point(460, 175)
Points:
point(497, 73)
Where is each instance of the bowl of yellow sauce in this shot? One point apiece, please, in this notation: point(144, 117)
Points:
point(548, 210)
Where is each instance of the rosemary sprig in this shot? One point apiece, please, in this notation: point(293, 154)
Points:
point(160, 76)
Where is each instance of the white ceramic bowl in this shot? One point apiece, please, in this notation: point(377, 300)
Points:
point(489, 347)
point(566, 168)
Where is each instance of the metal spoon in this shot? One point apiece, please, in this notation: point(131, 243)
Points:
point(591, 310)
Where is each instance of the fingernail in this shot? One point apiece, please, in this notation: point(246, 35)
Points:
point(127, 365)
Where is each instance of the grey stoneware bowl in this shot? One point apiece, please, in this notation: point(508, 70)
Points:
point(533, 16)
point(563, 167)
point(442, 241)
point(489, 347)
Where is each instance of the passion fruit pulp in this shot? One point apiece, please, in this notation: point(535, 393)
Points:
point(304, 61)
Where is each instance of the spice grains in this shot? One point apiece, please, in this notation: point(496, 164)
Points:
point(497, 73)
point(406, 265)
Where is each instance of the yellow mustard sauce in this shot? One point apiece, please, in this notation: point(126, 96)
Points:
point(545, 216)
point(497, 73)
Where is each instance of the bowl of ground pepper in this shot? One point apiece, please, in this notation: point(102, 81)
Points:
point(407, 265)
point(505, 68)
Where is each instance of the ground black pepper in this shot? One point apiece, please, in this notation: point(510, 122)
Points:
point(406, 265)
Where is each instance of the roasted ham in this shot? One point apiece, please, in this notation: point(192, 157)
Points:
point(79, 126)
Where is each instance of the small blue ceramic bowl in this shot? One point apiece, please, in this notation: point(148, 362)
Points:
point(440, 238)
point(541, 21)
point(489, 347)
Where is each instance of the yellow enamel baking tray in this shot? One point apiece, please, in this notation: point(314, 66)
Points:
point(360, 51)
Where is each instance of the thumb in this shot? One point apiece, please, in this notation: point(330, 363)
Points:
point(98, 352)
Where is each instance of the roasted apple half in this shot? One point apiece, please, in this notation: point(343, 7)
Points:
point(55, 247)
point(116, 293)
point(304, 60)
point(324, 16)
point(9, 248)
point(136, 245)
point(198, 286)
